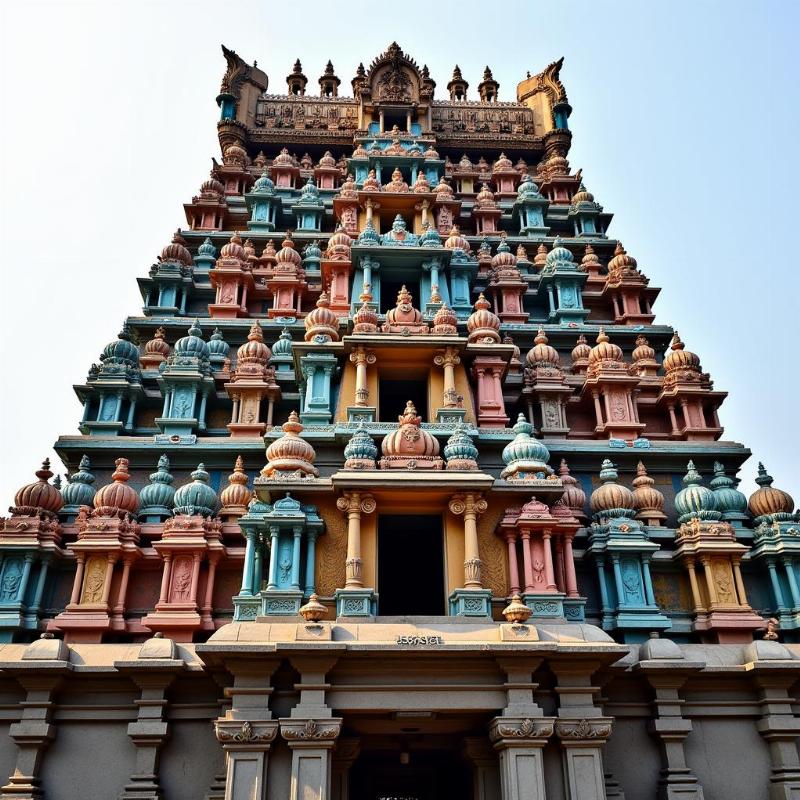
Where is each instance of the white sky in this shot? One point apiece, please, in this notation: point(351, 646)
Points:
point(685, 122)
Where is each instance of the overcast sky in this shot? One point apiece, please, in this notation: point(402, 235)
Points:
point(685, 122)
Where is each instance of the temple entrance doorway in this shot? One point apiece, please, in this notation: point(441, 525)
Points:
point(425, 775)
point(411, 580)
point(394, 392)
point(391, 288)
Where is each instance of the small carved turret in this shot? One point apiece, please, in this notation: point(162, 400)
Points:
point(328, 82)
point(488, 87)
point(457, 86)
point(296, 81)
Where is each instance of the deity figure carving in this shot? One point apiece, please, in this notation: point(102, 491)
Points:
point(95, 579)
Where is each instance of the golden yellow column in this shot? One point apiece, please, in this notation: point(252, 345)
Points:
point(354, 504)
point(361, 357)
point(470, 505)
point(449, 359)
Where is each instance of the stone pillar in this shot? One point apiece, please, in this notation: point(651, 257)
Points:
point(247, 730)
point(355, 600)
point(34, 731)
point(311, 730)
point(353, 504)
point(485, 768)
point(448, 359)
point(362, 357)
point(347, 751)
point(663, 666)
point(778, 724)
point(473, 599)
point(521, 733)
point(513, 568)
point(311, 744)
point(150, 730)
point(582, 730)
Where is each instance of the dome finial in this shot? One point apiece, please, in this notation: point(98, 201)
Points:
point(290, 456)
point(235, 497)
point(525, 457)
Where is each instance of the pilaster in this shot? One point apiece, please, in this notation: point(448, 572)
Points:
point(344, 756)
point(247, 729)
point(773, 674)
point(581, 729)
point(311, 730)
point(40, 672)
point(486, 783)
point(472, 600)
point(153, 672)
point(519, 736)
point(663, 666)
point(354, 600)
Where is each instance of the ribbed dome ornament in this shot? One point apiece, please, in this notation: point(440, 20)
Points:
point(38, 497)
point(647, 500)
point(574, 498)
point(611, 499)
point(730, 501)
point(525, 457)
point(158, 497)
point(117, 499)
point(236, 496)
point(460, 451)
point(197, 497)
point(483, 325)
point(768, 504)
point(290, 456)
point(695, 501)
point(410, 447)
point(78, 489)
point(360, 452)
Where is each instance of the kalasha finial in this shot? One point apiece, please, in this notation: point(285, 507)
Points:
point(313, 611)
point(676, 343)
point(516, 612)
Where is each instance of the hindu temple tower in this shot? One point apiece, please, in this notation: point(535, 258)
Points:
point(396, 486)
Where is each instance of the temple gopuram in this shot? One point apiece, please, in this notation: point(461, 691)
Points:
point(396, 488)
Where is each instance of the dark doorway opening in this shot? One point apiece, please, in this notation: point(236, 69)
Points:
point(393, 394)
point(410, 565)
point(428, 775)
point(391, 288)
point(392, 118)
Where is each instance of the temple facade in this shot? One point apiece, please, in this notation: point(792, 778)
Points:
point(396, 488)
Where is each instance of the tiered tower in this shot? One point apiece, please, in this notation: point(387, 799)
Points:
point(397, 363)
